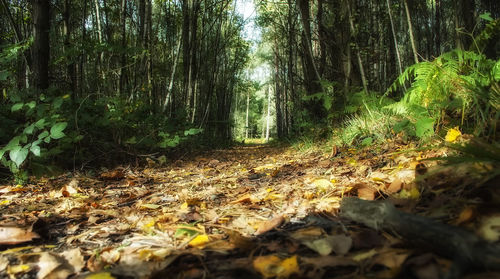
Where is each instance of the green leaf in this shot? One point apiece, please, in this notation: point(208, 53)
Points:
point(486, 16)
point(192, 132)
point(40, 123)
point(495, 72)
point(56, 132)
point(18, 155)
point(367, 141)
point(43, 135)
point(29, 130)
point(31, 104)
point(16, 107)
point(4, 75)
point(12, 143)
point(35, 149)
point(424, 127)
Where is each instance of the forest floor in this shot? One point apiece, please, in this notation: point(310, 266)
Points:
point(252, 211)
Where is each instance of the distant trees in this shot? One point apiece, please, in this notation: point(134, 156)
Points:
point(131, 50)
point(336, 47)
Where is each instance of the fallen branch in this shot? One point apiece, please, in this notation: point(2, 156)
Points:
point(465, 248)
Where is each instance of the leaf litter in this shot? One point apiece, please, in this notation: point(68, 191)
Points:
point(245, 212)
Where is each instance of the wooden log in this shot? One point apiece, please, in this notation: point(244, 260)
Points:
point(466, 249)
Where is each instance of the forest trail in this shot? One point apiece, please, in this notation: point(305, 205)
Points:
point(251, 211)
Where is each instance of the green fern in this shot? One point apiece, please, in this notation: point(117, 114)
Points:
point(456, 83)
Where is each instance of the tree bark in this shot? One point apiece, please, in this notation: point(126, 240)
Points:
point(398, 58)
point(410, 29)
point(360, 62)
point(41, 44)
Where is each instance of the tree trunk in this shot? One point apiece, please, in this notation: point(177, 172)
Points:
point(41, 44)
point(268, 116)
point(410, 28)
point(123, 57)
point(398, 58)
point(360, 62)
point(71, 67)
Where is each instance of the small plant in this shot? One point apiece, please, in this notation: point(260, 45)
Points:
point(40, 124)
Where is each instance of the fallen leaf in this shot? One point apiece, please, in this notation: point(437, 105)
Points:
point(53, 266)
point(466, 215)
point(489, 228)
point(113, 175)
point(99, 275)
point(392, 258)
point(452, 135)
point(364, 255)
point(395, 186)
point(14, 270)
point(270, 224)
point(273, 266)
point(199, 241)
point(323, 185)
point(365, 191)
point(74, 258)
point(13, 235)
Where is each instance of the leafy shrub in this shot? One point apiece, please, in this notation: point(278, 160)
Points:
point(458, 84)
point(34, 126)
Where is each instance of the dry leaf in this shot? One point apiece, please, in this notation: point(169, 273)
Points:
point(323, 185)
point(272, 266)
point(365, 191)
point(52, 266)
point(13, 235)
point(113, 175)
point(489, 228)
point(395, 186)
point(466, 215)
point(270, 224)
point(74, 258)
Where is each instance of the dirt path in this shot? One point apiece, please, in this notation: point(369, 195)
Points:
point(246, 212)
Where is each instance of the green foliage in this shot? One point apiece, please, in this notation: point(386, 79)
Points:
point(33, 126)
point(459, 84)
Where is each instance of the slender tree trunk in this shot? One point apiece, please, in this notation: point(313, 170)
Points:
point(396, 49)
point(172, 75)
point(123, 57)
point(41, 44)
point(437, 28)
point(71, 67)
point(100, 64)
point(360, 62)
point(311, 71)
point(268, 117)
point(247, 115)
point(410, 29)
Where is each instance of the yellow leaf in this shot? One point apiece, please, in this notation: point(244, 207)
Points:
point(100, 275)
point(17, 249)
point(365, 255)
point(322, 184)
point(273, 266)
point(15, 269)
point(452, 134)
point(4, 202)
point(151, 206)
point(185, 205)
point(199, 241)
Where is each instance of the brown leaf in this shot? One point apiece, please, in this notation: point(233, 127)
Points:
point(395, 186)
point(270, 224)
point(13, 235)
point(466, 215)
point(113, 175)
point(365, 191)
